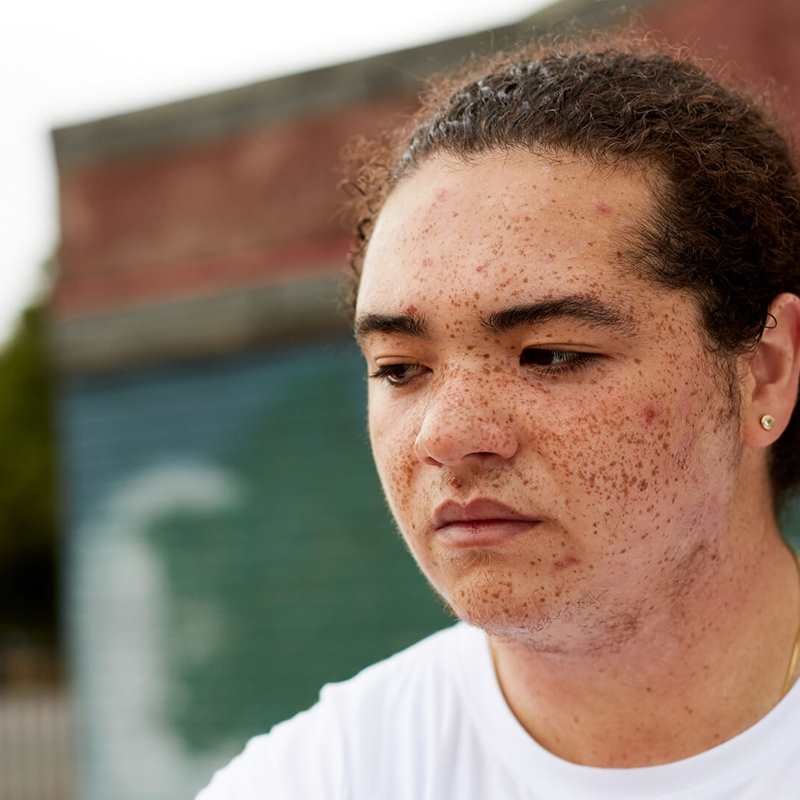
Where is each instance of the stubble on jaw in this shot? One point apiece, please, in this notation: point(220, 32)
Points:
point(533, 631)
point(525, 621)
point(548, 622)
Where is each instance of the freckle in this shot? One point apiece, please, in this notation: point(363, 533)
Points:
point(567, 561)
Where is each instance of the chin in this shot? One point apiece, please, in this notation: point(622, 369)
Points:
point(537, 634)
point(528, 621)
point(483, 589)
point(493, 606)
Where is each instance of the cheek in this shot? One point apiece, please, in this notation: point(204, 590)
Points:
point(616, 453)
point(392, 439)
point(637, 464)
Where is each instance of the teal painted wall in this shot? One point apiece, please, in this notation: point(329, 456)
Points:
point(229, 553)
point(790, 524)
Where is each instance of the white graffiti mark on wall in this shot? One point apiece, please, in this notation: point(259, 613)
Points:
point(119, 600)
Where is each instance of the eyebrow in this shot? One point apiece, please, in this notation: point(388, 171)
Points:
point(583, 308)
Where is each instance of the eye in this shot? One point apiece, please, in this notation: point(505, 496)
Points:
point(397, 374)
point(542, 359)
point(556, 361)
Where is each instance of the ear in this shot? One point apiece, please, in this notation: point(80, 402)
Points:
point(774, 371)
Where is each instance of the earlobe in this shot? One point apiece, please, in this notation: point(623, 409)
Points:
point(774, 373)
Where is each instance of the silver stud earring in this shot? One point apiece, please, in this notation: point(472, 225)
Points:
point(767, 422)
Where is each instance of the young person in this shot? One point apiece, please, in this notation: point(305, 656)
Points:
point(576, 291)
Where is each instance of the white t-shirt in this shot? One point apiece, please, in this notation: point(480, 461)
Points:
point(431, 723)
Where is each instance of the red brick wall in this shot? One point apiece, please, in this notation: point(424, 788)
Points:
point(247, 209)
point(258, 206)
point(757, 40)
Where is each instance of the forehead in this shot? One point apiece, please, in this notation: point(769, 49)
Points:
point(504, 226)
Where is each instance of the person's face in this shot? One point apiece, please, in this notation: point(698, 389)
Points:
point(599, 417)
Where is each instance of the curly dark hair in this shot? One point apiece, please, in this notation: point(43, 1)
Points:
point(727, 221)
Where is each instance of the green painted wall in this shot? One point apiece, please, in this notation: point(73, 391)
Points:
point(230, 552)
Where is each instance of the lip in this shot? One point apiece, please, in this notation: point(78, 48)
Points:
point(478, 513)
point(483, 522)
point(483, 533)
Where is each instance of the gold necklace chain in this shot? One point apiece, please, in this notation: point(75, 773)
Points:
point(787, 684)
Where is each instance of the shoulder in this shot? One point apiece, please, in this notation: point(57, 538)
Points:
point(367, 725)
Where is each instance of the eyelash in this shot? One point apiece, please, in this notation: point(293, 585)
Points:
point(572, 362)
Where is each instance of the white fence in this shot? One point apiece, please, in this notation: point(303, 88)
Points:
point(35, 747)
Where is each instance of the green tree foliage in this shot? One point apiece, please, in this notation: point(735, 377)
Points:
point(27, 481)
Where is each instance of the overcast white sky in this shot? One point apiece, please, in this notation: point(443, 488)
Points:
point(67, 62)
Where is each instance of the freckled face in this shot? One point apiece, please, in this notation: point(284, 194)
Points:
point(611, 429)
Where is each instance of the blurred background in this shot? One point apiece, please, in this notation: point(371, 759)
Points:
point(192, 536)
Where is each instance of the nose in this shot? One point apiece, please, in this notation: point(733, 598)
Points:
point(466, 417)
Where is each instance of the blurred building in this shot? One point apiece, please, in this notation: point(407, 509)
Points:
point(228, 548)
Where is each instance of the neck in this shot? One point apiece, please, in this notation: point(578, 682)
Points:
point(682, 684)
